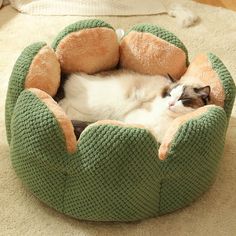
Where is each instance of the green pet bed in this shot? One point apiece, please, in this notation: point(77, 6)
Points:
point(115, 171)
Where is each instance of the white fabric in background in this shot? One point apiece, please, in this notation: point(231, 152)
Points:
point(89, 7)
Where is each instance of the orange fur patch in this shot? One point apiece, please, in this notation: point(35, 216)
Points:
point(147, 54)
point(89, 51)
point(44, 72)
point(60, 116)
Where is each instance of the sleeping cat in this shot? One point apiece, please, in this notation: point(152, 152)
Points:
point(152, 101)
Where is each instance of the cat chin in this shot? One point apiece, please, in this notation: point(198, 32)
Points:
point(173, 113)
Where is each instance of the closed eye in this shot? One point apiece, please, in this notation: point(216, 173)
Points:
point(185, 99)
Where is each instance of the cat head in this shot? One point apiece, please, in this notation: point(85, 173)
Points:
point(182, 99)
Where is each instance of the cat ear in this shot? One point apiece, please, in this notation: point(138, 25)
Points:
point(165, 91)
point(204, 92)
point(171, 78)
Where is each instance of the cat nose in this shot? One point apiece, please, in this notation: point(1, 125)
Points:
point(171, 103)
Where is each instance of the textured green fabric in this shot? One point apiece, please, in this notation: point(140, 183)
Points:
point(17, 81)
point(227, 82)
point(84, 24)
point(163, 34)
point(115, 174)
point(192, 160)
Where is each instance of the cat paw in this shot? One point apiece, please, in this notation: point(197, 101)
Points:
point(163, 150)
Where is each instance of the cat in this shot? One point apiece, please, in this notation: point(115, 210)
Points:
point(153, 101)
point(175, 101)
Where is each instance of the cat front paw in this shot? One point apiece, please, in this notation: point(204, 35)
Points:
point(163, 150)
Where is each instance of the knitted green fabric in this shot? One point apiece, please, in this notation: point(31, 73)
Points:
point(17, 80)
point(163, 34)
point(115, 174)
point(84, 24)
point(192, 160)
point(227, 82)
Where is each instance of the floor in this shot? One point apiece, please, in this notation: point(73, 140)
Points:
point(229, 4)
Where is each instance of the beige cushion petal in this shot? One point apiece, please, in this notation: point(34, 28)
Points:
point(201, 72)
point(173, 129)
point(147, 54)
point(44, 72)
point(88, 50)
point(61, 117)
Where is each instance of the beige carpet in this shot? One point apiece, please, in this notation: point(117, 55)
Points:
point(214, 213)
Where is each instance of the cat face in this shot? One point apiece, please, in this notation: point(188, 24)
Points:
point(183, 99)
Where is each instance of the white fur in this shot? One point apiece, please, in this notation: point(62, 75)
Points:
point(102, 96)
point(174, 104)
point(183, 15)
point(162, 113)
point(123, 95)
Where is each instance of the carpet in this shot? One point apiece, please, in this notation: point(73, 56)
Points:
point(213, 213)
